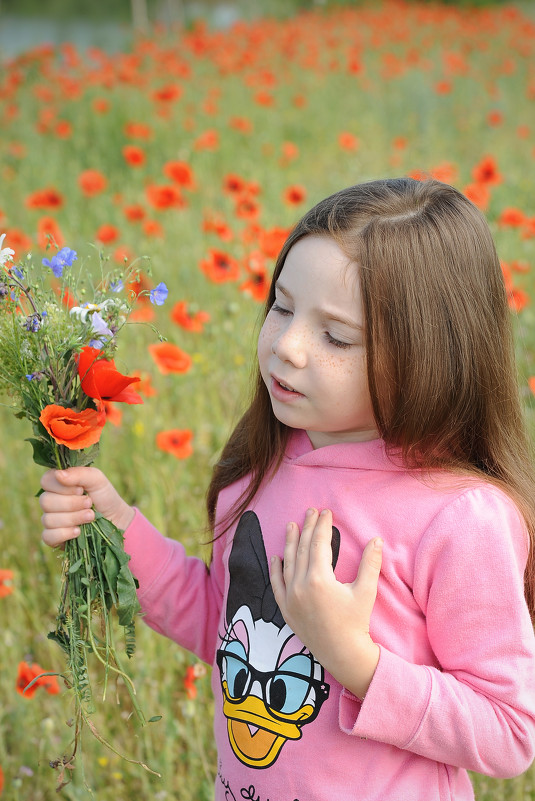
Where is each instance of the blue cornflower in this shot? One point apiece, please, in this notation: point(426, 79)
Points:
point(17, 273)
point(159, 294)
point(33, 323)
point(63, 258)
point(117, 286)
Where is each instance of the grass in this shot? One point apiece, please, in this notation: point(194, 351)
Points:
point(288, 82)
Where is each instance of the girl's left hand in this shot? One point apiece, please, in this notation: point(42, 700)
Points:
point(332, 619)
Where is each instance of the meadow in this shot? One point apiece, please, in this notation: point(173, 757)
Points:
point(195, 151)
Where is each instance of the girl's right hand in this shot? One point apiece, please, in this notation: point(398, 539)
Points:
point(68, 498)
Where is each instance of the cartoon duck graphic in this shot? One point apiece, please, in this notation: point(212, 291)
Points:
point(272, 685)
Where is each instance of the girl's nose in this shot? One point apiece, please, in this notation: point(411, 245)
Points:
point(290, 345)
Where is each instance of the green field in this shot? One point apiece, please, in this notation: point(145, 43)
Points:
point(269, 117)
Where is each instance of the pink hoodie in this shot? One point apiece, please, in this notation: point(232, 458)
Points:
point(455, 686)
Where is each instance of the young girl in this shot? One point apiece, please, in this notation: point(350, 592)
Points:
point(386, 398)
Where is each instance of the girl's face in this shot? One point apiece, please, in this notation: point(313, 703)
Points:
point(311, 347)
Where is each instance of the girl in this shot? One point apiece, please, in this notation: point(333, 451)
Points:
point(385, 397)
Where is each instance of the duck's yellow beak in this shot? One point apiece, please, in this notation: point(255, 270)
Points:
point(261, 747)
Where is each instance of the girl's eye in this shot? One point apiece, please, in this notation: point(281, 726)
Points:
point(279, 309)
point(336, 342)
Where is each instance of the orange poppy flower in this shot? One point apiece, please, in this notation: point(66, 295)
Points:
point(180, 172)
point(92, 182)
point(176, 442)
point(138, 130)
point(153, 228)
point(135, 212)
point(145, 384)
point(217, 225)
point(479, 194)
point(242, 124)
point(531, 383)
point(170, 358)
point(271, 240)
point(234, 184)
point(446, 173)
point(100, 378)
point(246, 207)
point(189, 322)
point(517, 299)
point(134, 155)
point(511, 218)
point(294, 195)
point(101, 105)
point(73, 429)
point(348, 141)
point(257, 286)
point(18, 241)
point(107, 234)
point(48, 198)
point(219, 267)
point(114, 415)
point(208, 140)
point(6, 588)
point(63, 129)
point(49, 232)
point(123, 254)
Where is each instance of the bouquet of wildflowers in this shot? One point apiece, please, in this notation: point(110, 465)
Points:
point(58, 369)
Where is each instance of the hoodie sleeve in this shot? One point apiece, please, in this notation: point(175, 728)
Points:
point(180, 596)
point(477, 710)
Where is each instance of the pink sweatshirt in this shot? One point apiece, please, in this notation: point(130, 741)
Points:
point(455, 686)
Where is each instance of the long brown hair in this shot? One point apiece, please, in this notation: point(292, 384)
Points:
point(439, 343)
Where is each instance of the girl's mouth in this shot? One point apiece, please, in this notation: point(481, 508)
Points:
point(283, 391)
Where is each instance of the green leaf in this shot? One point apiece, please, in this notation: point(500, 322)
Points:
point(127, 603)
point(43, 453)
point(154, 718)
point(76, 566)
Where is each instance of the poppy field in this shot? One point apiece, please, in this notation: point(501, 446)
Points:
point(191, 154)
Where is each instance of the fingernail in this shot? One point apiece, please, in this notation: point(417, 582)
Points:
point(76, 531)
point(310, 511)
point(378, 544)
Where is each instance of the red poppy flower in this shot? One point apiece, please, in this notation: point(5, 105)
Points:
point(73, 429)
point(219, 267)
point(170, 358)
point(107, 234)
point(217, 225)
point(486, 171)
point(180, 172)
point(100, 378)
point(134, 155)
point(446, 173)
point(92, 182)
point(176, 442)
point(517, 299)
point(27, 673)
point(167, 93)
point(234, 184)
point(49, 198)
point(189, 322)
point(6, 587)
point(164, 196)
point(18, 241)
point(49, 232)
point(294, 195)
point(123, 254)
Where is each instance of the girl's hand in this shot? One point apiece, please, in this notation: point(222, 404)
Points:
point(330, 618)
point(67, 500)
